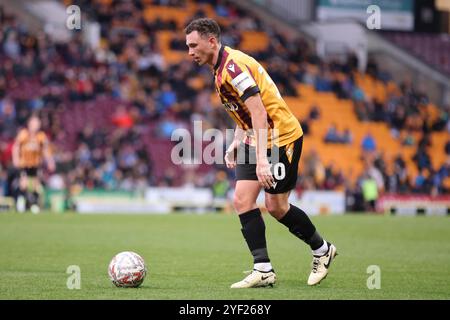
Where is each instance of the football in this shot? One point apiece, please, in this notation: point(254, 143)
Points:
point(127, 269)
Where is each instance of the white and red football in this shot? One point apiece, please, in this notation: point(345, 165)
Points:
point(127, 269)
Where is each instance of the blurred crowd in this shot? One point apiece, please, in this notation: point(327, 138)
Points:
point(129, 66)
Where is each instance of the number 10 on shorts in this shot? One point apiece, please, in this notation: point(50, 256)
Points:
point(279, 171)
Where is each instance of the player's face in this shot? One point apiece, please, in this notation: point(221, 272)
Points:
point(201, 49)
point(34, 125)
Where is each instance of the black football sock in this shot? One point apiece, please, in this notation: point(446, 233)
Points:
point(20, 193)
point(29, 197)
point(35, 197)
point(254, 231)
point(301, 226)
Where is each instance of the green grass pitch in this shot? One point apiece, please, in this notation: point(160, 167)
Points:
point(199, 256)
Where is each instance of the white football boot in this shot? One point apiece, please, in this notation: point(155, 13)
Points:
point(321, 264)
point(256, 279)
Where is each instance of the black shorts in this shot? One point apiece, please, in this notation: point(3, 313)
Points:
point(31, 172)
point(284, 167)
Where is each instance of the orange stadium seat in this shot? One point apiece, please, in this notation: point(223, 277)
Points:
point(254, 41)
point(151, 13)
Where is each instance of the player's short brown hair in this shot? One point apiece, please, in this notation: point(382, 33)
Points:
point(205, 27)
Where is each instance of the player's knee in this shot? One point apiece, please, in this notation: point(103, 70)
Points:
point(276, 208)
point(23, 183)
point(241, 203)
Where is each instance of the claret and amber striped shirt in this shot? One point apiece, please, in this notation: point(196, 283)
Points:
point(31, 148)
point(239, 76)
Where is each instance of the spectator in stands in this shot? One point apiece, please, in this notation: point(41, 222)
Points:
point(373, 172)
point(361, 110)
point(314, 113)
point(108, 176)
point(368, 143)
point(178, 43)
point(370, 192)
point(352, 63)
point(8, 115)
point(93, 137)
point(420, 181)
point(422, 159)
point(390, 180)
point(221, 185)
point(379, 162)
point(379, 111)
point(169, 177)
point(332, 135)
point(127, 157)
point(11, 46)
point(444, 175)
point(122, 118)
point(168, 125)
point(6, 153)
point(409, 139)
point(151, 59)
point(314, 168)
point(447, 147)
point(323, 82)
point(443, 121)
point(358, 94)
point(222, 10)
point(354, 197)
point(334, 178)
point(347, 137)
point(167, 98)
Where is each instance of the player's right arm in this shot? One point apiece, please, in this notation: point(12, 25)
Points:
point(260, 128)
point(230, 154)
point(16, 149)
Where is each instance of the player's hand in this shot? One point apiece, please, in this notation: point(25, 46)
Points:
point(230, 159)
point(264, 174)
point(230, 156)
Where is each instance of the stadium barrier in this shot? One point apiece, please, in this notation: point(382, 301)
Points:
point(153, 201)
point(165, 200)
point(414, 205)
point(313, 202)
point(6, 204)
point(322, 202)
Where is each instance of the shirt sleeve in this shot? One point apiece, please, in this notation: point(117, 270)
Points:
point(241, 79)
point(43, 139)
point(21, 136)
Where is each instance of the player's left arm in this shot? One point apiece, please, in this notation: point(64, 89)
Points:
point(48, 155)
